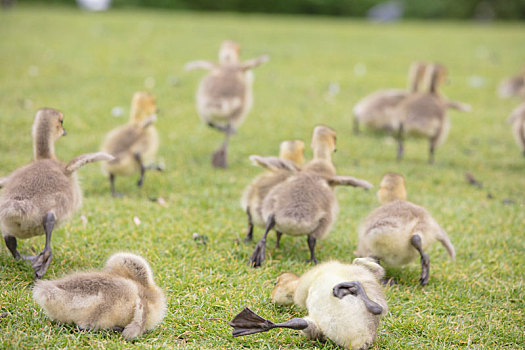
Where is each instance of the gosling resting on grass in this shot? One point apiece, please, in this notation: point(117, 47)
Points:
point(224, 96)
point(253, 196)
point(345, 303)
point(376, 110)
point(517, 120)
point(425, 113)
point(123, 296)
point(135, 144)
point(44, 194)
point(305, 203)
point(398, 231)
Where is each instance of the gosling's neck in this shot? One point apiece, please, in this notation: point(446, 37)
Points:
point(322, 162)
point(43, 145)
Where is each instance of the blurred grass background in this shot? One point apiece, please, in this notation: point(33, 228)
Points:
point(85, 64)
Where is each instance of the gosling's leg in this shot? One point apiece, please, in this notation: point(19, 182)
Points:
point(278, 242)
point(10, 242)
point(40, 263)
point(311, 246)
point(219, 157)
point(112, 186)
point(258, 254)
point(356, 126)
point(425, 260)
point(249, 235)
point(355, 288)
point(400, 144)
point(431, 149)
point(138, 158)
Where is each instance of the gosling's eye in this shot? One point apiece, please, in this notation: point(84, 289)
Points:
point(62, 122)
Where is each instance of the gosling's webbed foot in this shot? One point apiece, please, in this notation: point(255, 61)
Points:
point(388, 281)
point(257, 257)
point(140, 182)
point(313, 261)
point(40, 263)
point(218, 159)
point(425, 268)
point(117, 329)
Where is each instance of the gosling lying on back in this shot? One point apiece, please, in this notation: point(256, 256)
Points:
point(399, 231)
point(122, 297)
point(135, 144)
point(517, 120)
point(254, 194)
point(224, 97)
point(375, 110)
point(44, 194)
point(345, 303)
point(305, 204)
point(425, 113)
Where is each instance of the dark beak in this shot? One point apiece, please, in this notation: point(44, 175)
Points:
point(335, 150)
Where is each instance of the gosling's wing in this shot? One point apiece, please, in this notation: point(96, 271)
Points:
point(460, 106)
point(254, 62)
point(148, 121)
point(79, 161)
point(201, 64)
point(349, 181)
point(274, 163)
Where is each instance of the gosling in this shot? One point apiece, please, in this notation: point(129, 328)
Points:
point(224, 97)
point(305, 203)
point(253, 196)
point(425, 114)
point(517, 120)
point(398, 231)
point(375, 110)
point(345, 303)
point(44, 194)
point(513, 86)
point(135, 144)
point(123, 297)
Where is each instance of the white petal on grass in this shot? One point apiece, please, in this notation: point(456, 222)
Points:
point(136, 220)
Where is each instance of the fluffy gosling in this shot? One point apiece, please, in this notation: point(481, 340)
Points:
point(305, 203)
point(399, 231)
point(135, 144)
point(345, 303)
point(253, 196)
point(513, 86)
point(375, 110)
point(225, 96)
point(44, 194)
point(517, 120)
point(123, 296)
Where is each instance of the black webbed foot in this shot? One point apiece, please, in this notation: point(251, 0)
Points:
point(248, 322)
point(313, 261)
point(218, 159)
point(257, 257)
point(40, 263)
point(356, 289)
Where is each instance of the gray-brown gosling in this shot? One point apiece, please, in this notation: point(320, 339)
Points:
point(224, 96)
point(135, 144)
point(253, 196)
point(305, 203)
point(398, 231)
point(375, 110)
point(517, 120)
point(513, 86)
point(345, 303)
point(123, 296)
point(44, 194)
point(425, 113)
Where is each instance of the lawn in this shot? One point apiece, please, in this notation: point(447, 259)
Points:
point(86, 64)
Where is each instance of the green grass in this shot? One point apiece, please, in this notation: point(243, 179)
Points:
point(88, 63)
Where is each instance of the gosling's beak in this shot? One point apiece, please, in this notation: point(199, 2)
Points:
point(335, 150)
point(64, 133)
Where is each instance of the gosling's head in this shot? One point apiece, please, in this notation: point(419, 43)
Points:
point(292, 150)
point(284, 290)
point(323, 140)
point(48, 124)
point(130, 266)
point(392, 188)
point(143, 105)
point(229, 52)
point(372, 265)
point(417, 73)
